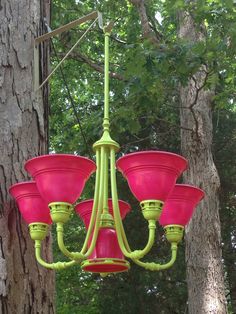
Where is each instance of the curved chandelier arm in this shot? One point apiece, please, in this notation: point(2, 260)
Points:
point(122, 239)
point(99, 194)
point(95, 205)
point(60, 226)
point(62, 247)
point(55, 266)
point(155, 266)
point(137, 254)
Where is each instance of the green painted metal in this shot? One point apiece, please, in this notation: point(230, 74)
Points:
point(151, 209)
point(156, 267)
point(95, 204)
point(55, 266)
point(38, 231)
point(60, 241)
point(174, 233)
point(106, 149)
point(123, 243)
point(106, 141)
point(60, 211)
point(107, 221)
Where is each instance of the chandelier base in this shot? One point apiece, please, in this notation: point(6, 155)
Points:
point(151, 209)
point(174, 233)
point(60, 211)
point(105, 265)
point(38, 231)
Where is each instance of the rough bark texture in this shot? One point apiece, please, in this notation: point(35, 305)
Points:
point(203, 236)
point(228, 223)
point(25, 287)
point(147, 30)
point(229, 256)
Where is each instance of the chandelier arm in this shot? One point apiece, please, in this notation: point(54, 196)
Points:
point(60, 226)
point(124, 245)
point(60, 241)
point(95, 202)
point(157, 267)
point(105, 194)
point(100, 205)
point(54, 266)
point(150, 241)
point(115, 203)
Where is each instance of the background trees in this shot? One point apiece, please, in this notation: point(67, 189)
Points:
point(156, 48)
point(173, 65)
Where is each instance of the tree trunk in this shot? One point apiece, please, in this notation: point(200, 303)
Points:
point(203, 236)
point(229, 249)
point(229, 257)
point(25, 287)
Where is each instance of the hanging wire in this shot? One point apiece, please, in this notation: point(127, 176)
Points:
point(68, 92)
point(68, 53)
point(72, 102)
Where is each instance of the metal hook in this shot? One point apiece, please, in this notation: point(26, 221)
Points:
point(100, 20)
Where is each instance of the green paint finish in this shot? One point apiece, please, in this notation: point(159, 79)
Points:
point(106, 220)
point(38, 231)
point(55, 266)
point(174, 233)
point(151, 209)
point(60, 241)
point(158, 267)
point(60, 211)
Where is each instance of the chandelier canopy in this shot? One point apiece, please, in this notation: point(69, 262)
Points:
point(59, 180)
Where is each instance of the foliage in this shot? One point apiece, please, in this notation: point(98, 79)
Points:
point(144, 115)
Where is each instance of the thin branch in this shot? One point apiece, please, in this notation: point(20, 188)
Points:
point(80, 57)
point(135, 142)
point(174, 125)
point(198, 89)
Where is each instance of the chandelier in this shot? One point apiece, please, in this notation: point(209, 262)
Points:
point(59, 180)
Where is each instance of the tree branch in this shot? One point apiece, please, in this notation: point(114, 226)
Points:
point(148, 33)
point(80, 57)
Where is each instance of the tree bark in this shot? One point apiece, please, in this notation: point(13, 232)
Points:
point(25, 287)
point(229, 249)
point(203, 235)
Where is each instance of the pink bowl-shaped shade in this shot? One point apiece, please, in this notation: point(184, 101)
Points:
point(84, 210)
point(179, 207)
point(31, 205)
point(60, 177)
point(151, 175)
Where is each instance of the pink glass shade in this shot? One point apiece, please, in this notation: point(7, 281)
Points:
point(31, 205)
point(107, 246)
point(60, 177)
point(84, 210)
point(151, 175)
point(179, 207)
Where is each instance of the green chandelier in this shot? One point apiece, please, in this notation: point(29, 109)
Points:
point(59, 180)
